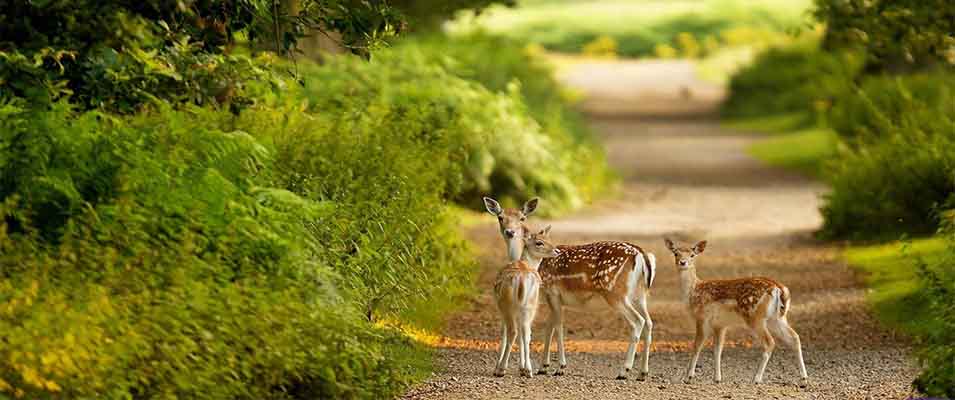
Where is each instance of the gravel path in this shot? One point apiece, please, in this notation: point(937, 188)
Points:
point(685, 177)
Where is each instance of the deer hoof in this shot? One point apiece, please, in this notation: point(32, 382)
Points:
point(526, 373)
point(542, 371)
point(687, 380)
point(803, 383)
point(643, 376)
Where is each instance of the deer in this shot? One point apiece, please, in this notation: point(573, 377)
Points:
point(620, 273)
point(760, 304)
point(517, 294)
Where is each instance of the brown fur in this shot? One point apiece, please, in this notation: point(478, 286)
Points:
point(592, 267)
point(747, 293)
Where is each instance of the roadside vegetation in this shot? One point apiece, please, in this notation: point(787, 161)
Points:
point(186, 212)
point(869, 110)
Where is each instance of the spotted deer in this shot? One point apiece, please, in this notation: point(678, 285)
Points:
point(761, 304)
point(511, 222)
point(517, 293)
point(618, 272)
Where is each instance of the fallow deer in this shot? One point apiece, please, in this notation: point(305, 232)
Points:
point(761, 304)
point(511, 222)
point(517, 293)
point(621, 273)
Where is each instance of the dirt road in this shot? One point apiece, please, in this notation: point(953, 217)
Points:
point(685, 177)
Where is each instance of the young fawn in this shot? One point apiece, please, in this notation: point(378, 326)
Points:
point(511, 222)
point(760, 303)
point(621, 273)
point(517, 292)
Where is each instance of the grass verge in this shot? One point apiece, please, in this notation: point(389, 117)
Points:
point(794, 143)
point(895, 291)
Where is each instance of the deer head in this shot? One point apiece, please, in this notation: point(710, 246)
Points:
point(685, 257)
point(511, 222)
point(538, 246)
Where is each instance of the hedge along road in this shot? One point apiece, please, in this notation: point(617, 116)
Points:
point(685, 177)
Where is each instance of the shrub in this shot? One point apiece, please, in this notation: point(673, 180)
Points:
point(509, 68)
point(898, 169)
point(794, 79)
point(120, 55)
point(196, 254)
point(602, 47)
point(937, 281)
point(886, 30)
point(891, 187)
point(919, 104)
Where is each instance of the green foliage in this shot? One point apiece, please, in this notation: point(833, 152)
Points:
point(896, 34)
point(639, 27)
point(120, 55)
point(914, 105)
point(197, 254)
point(912, 291)
point(798, 79)
point(898, 170)
point(427, 15)
point(937, 281)
point(508, 66)
point(188, 251)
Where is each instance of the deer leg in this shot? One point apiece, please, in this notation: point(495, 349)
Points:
point(528, 367)
point(548, 334)
point(504, 351)
point(702, 330)
point(522, 340)
point(769, 344)
point(642, 308)
point(636, 323)
point(718, 352)
point(559, 325)
point(783, 332)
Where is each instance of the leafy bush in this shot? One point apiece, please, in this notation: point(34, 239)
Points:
point(792, 79)
point(514, 161)
point(891, 187)
point(187, 251)
point(898, 170)
point(920, 104)
point(886, 30)
point(119, 55)
point(937, 281)
point(197, 254)
point(602, 47)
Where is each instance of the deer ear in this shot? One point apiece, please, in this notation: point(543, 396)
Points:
point(669, 244)
point(492, 206)
point(699, 247)
point(545, 231)
point(530, 206)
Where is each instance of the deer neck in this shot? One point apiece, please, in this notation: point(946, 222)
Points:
point(515, 248)
point(532, 262)
point(688, 281)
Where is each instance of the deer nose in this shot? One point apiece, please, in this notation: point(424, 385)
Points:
point(683, 263)
point(509, 233)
